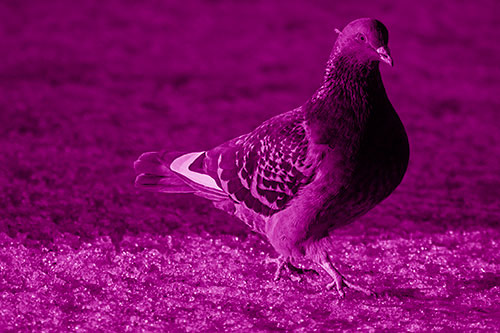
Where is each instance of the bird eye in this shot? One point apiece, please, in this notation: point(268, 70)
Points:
point(361, 37)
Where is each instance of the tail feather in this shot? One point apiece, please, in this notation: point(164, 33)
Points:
point(150, 163)
point(162, 184)
point(154, 173)
point(156, 163)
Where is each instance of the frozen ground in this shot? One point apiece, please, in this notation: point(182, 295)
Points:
point(84, 89)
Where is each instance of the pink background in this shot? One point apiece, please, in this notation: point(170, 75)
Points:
point(84, 89)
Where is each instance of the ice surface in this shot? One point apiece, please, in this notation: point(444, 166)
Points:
point(86, 88)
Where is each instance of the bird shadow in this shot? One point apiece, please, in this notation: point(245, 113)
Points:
point(302, 271)
point(485, 282)
point(401, 293)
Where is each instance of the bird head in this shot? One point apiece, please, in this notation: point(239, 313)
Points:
point(365, 40)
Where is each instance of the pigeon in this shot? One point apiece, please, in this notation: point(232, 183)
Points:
point(304, 173)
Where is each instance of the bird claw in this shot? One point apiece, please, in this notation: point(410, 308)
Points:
point(367, 292)
point(341, 291)
point(339, 281)
point(344, 283)
point(281, 263)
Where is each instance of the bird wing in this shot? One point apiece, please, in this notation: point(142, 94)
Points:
point(264, 170)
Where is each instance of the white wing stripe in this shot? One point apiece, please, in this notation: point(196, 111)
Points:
point(181, 165)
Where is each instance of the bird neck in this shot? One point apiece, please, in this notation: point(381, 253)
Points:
point(342, 105)
point(348, 79)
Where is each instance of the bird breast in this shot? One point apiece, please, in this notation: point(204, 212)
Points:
point(370, 174)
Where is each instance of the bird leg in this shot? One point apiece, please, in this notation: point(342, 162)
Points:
point(339, 281)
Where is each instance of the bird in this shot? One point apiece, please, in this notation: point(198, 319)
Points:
point(304, 173)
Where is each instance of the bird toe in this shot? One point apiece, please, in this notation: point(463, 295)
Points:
point(280, 262)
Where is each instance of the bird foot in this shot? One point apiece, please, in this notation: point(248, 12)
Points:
point(339, 281)
point(281, 263)
point(339, 286)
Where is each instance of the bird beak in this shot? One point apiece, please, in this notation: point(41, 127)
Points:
point(385, 55)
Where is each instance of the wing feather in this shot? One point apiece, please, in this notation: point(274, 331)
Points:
point(265, 169)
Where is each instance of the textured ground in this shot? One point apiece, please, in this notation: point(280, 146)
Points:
point(84, 89)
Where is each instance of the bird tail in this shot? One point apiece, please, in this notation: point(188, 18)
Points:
point(171, 172)
point(154, 174)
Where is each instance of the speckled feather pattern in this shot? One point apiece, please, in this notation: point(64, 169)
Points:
point(263, 170)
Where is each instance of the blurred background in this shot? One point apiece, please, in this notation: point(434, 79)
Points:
point(86, 87)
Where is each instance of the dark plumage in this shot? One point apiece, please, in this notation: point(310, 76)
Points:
point(306, 172)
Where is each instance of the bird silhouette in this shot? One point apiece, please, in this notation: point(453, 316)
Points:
point(304, 173)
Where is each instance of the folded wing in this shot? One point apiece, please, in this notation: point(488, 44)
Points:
point(265, 169)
